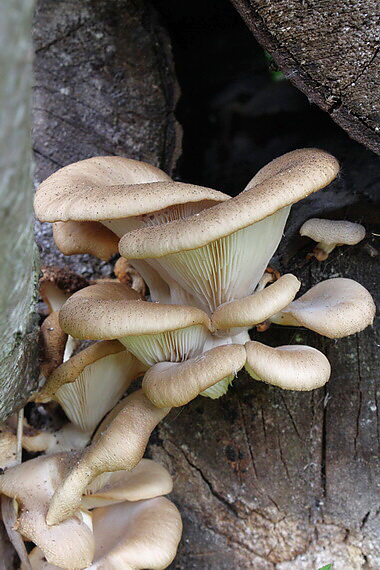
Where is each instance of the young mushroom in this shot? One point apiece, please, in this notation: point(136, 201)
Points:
point(334, 308)
point(210, 254)
point(331, 233)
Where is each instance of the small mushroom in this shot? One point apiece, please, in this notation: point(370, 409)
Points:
point(293, 367)
point(129, 276)
point(169, 384)
point(331, 233)
point(220, 254)
point(52, 344)
point(57, 284)
point(334, 308)
point(120, 444)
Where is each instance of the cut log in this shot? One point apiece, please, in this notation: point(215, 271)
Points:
point(329, 50)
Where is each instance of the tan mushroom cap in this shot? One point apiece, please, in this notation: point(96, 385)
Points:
point(129, 276)
point(120, 446)
point(147, 480)
point(68, 438)
point(32, 484)
point(334, 308)
point(176, 384)
point(293, 367)
point(110, 188)
point(139, 535)
point(114, 312)
point(57, 284)
point(258, 307)
point(8, 446)
point(94, 238)
point(301, 172)
point(333, 232)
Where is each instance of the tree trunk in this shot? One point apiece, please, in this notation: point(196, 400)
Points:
point(329, 50)
point(18, 259)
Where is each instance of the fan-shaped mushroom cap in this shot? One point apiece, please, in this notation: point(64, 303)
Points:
point(121, 446)
point(32, 484)
point(211, 254)
point(85, 237)
point(151, 331)
point(172, 384)
point(90, 383)
point(334, 308)
point(112, 188)
point(133, 536)
point(146, 481)
point(293, 367)
point(257, 307)
point(8, 446)
point(330, 233)
point(130, 536)
point(68, 438)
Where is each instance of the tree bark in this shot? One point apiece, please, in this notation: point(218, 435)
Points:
point(18, 259)
point(329, 50)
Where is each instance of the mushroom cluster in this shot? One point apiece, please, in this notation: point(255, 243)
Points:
point(204, 258)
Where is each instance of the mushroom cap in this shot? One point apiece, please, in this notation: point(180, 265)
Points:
point(133, 536)
point(257, 307)
point(94, 238)
point(32, 484)
point(110, 188)
point(126, 274)
point(111, 310)
point(8, 446)
point(300, 173)
point(334, 308)
point(175, 384)
point(340, 232)
point(120, 445)
point(295, 367)
point(147, 480)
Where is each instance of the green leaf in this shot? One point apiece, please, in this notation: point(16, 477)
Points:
point(327, 567)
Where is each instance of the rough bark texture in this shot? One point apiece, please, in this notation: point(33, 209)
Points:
point(104, 85)
point(329, 50)
point(18, 327)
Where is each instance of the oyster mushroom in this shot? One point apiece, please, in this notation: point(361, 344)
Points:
point(334, 308)
point(153, 332)
point(211, 254)
point(293, 367)
point(175, 384)
point(125, 194)
point(31, 485)
point(331, 233)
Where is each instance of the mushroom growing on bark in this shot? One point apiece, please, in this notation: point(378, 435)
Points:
point(331, 233)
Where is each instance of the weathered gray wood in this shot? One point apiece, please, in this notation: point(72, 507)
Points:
point(329, 50)
point(18, 275)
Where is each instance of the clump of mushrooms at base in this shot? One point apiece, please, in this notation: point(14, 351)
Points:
point(203, 256)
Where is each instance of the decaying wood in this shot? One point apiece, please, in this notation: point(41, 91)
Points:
point(18, 259)
point(329, 50)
